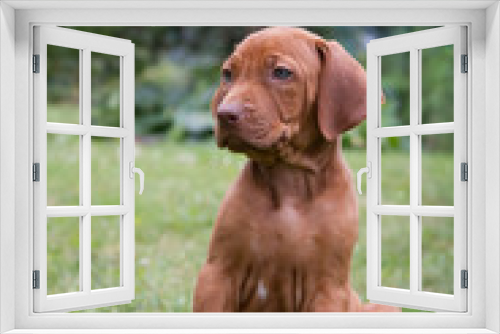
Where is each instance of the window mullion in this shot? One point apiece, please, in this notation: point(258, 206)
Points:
point(414, 172)
point(419, 165)
point(85, 160)
point(420, 129)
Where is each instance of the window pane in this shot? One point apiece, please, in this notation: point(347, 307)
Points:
point(106, 171)
point(437, 254)
point(437, 84)
point(395, 257)
point(395, 79)
point(63, 169)
point(105, 252)
point(63, 85)
point(437, 169)
point(395, 170)
point(105, 89)
point(63, 253)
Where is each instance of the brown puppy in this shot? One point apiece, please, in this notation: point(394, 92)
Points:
point(285, 232)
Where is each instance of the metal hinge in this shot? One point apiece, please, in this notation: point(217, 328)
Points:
point(36, 63)
point(36, 172)
point(464, 172)
point(36, 279)
point(465, 279)
point(465, 64)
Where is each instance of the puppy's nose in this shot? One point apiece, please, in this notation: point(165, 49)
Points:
point(229, 113)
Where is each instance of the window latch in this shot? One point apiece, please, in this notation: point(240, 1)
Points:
point(139, 171)
point(368, 171)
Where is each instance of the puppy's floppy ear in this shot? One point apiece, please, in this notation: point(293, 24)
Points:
point(341, 93)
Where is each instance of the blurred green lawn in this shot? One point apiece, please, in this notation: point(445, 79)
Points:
point(183, 190)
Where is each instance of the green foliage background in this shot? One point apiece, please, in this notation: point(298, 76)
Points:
point(177, 71)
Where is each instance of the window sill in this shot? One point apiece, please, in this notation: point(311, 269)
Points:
point(266, 331)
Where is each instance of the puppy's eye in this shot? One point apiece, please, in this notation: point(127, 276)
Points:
point(282, 73)
point(226, 75)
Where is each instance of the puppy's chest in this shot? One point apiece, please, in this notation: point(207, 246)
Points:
point(282, 260)
point(289, 234)
point(277, 257)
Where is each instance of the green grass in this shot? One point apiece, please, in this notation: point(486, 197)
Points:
point(183, 190)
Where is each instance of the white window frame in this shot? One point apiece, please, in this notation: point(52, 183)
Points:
point(123, 50)
point(412, 44)
point(483, 20)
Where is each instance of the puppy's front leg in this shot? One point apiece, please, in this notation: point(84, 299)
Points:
point(213, 290)
point(334, 300)
point(345, 300)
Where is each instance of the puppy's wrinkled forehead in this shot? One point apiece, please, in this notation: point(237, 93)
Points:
point(269, 46)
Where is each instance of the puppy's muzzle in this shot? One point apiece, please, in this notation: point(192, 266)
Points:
point(229, 113)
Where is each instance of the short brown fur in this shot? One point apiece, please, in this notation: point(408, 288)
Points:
point(286, 229)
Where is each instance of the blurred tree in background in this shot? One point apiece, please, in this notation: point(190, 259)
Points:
point(177, 71)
